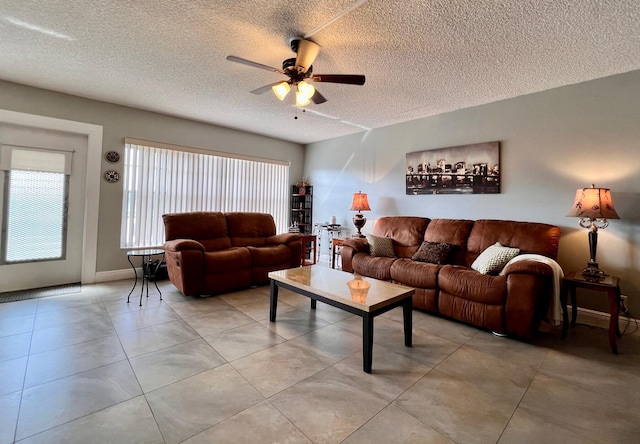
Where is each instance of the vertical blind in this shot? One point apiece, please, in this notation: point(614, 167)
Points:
point(159, 180)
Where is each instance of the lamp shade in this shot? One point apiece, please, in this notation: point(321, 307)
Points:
point(593, 203)
point(304, 92)
point(281, 90)
point(360, 202)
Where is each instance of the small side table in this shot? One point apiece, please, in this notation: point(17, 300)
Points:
point(609, 285)
point(148, 270)
point(309, 247)
point(331, 229)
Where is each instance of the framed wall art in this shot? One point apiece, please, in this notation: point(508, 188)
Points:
point(466, 169)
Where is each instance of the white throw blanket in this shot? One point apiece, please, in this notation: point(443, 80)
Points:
point(554, 312)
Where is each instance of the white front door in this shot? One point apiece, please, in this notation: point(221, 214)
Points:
point(20, 274)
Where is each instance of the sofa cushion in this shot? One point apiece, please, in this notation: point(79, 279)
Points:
point(495, 257)
point(434, 252)
point(415, 274)
point(196, 225)
point(375, 267)
point(466, 283)
point(250, 228)
point(407, 232)
point(529, 237)
point(219, 243)
point(380, 246)
point(451, 231)
point(268, 256)
point(230, 260)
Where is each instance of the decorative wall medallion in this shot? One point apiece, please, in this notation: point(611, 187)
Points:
point(112, 157)
point(112, 176)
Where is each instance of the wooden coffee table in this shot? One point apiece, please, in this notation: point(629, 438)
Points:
point(366, 298)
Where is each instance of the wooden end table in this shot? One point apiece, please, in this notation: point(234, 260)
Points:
point(609, 285)
point(309, 247)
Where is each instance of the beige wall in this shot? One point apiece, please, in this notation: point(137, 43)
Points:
point(552, 143)
point(120, 122)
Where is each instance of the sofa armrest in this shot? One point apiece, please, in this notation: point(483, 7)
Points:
point(529, 290)
point(528, 267)
point(183, 244)
point(284, 238)
point(350, 248)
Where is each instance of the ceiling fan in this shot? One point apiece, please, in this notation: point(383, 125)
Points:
point(300, 73)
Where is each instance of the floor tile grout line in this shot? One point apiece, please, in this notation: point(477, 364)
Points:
point(143, 394)
point(289, 420)
point(80, 417)
point(24, 379)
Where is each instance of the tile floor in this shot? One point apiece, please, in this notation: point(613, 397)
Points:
point(89, 368)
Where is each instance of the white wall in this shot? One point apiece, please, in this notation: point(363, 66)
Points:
point(120, 122)
point(552, 143)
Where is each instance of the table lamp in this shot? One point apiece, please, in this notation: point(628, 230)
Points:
point(360, 203)
point(593, 206)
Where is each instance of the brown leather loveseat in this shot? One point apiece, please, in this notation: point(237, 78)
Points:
point(212, 252)
point(510, 301)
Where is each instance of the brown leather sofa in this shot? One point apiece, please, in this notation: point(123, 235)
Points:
point(512, 302)
point(212, 252)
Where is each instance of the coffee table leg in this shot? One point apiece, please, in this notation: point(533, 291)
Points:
point(314, 303)
point(407, 314)
point(273, 300)
point(367, 342)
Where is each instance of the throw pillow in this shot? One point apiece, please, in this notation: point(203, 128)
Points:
point(434, 252)
point(380, 246)
point(494, 258)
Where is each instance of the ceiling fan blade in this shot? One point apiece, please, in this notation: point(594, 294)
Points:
point(350, 79)
point(265, 88)
point(254, 64)
point(318, 98)
point(306, 54)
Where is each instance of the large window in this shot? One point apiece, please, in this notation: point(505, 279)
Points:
point(160, 179)
point(35, 189)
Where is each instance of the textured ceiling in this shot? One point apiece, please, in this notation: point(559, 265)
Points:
point(420, 57)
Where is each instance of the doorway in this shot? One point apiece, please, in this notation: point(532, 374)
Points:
point(77, 260)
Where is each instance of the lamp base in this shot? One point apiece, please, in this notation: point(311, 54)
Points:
point(593, 272)
point(359, 220)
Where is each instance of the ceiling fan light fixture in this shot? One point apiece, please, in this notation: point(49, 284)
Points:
point(281, 90)
point(304, 92)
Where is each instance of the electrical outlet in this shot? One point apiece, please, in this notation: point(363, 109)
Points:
point(623, 306)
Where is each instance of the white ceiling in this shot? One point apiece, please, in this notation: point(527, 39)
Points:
point(420, 57)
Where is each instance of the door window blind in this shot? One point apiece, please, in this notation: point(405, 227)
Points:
point(36, 189)
point(159, 180)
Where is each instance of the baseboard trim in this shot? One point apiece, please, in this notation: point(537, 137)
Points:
point(115, 275)
point(599, 319)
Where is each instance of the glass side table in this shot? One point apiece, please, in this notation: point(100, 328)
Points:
point(149, 270)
